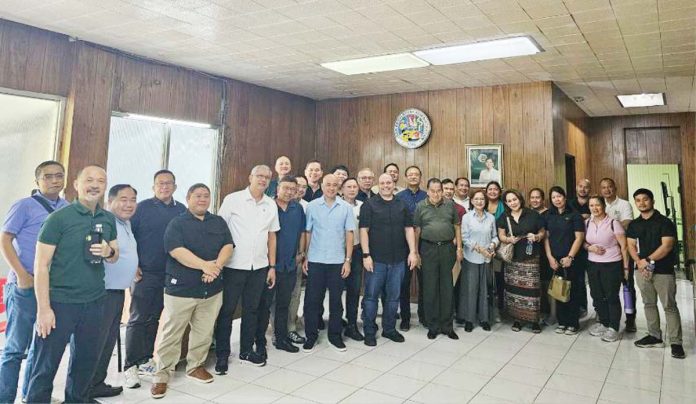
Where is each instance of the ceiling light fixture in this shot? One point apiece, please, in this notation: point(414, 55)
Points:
point(496, 49)
point(641, 100)
point(376, 64)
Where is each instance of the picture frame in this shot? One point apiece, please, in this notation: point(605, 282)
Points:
point(484, 164)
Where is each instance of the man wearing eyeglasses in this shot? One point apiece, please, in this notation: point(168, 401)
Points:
point(18, 245)
point(147, 293)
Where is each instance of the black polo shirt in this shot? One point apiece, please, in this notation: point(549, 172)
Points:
point(648, 234)
point(363, 196)
point(311, 195)
point(581, 209)
point(385, 222)
point(561, 228)
point(530, 222)
point(204, 238)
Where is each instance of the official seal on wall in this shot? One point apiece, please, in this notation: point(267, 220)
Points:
point(411, 128)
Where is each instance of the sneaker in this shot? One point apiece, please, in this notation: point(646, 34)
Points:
point(147, 368)
point(105, 390)
point(571, 331)
point(287, 346)
point(598, 330)
point(536, 328)
point(560, 329)
point(370, 340)
point(516, 326)
point(353, 333)
point(158, 390)
point(200, 375)
point(610, 335)
point(394, 336)
point(221, 366)
point(678, 351)
point(338, 344)
point(261, 351)
point(649, 342)
point(252, 358)
point(296, 338)
point(405, 325)
point(308, 346)
point(131, 378)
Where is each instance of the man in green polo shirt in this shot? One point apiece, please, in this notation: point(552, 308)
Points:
point(440, 241)
point(69, 282)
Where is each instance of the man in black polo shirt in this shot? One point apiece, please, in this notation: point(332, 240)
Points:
point(581, 204)
point(149, 223)
point(651, 241)
point(199, 243)
point(386, 237)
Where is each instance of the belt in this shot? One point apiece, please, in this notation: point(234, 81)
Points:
point(437, 242)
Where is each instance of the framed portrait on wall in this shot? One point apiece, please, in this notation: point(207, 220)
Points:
point(485, 164)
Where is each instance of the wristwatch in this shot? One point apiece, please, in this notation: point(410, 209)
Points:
point(347, 259)
point(113, 252)
point(366, 255)
point(271, 267)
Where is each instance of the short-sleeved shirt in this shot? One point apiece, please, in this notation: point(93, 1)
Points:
point(648, 234)
point(464, 203)
point(583, 209)
point(363, 196)
point(204, 238)
point(120, 274)
point(149, 223)
point(412, 198)
point(530, 222)
point(292, 225)
point(72, 278)
point(272, 188)
point(328, 225)
point(604, 235)
point(436, 221)
point(356, 216)
point(24, 221)
point(561, 228)
point(460, 211)
point(311, 195)
point(249, 222)
point(386, 223)
point(620, 209)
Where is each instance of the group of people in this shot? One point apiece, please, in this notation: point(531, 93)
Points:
point(72, 262)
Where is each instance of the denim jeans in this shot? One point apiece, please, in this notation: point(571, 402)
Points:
point(21, 315)
point(385, 278)
point(80, 325)
point(321, 277)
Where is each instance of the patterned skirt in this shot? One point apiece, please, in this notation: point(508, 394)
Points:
point(523, 290)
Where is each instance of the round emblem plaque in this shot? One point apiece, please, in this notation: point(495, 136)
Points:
point(411, 128)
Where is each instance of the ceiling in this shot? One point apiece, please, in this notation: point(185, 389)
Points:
point(594, 49)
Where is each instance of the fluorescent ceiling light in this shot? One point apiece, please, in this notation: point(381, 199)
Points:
point(169, 121)
point(376, 64)
point(641, 100)
point(500, 48)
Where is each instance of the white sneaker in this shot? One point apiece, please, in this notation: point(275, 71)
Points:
point(610, 335)
point(131, 378)
point(571, 331)
point(597, 330)
point(148, 368)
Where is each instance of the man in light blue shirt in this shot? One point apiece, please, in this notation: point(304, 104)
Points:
point(330, 227)
point(118, 277)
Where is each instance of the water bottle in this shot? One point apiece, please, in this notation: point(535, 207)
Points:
point(629, 304)
point(530, 247)
point(94, 237)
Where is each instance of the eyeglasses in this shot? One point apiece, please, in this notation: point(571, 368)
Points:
point(51, 177)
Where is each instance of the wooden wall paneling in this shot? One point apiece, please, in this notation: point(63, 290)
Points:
point(15, 51)
point(57, 65)
point(501, 114)
point(688, 152)
point(308, 136)
point(461, 124)
point(473, 127)
point(234, 157)
point(441, 147)
point(36, 56)
point(380, 132)
point(514, 150)
point(487, 113)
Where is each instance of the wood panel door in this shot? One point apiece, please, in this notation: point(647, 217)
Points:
point(653, 145)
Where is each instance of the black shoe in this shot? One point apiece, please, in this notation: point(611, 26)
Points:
point(296, 338)
point(252, 358)
point(516, 326)
point(322, 324)
point(432, 334)
point(485, 326)
point(105, 390)
point(221, 366)
point(370, 340)
point(649, 342)
point(262, 351)
point(394, 336)
point(405, 325)
point(677, 352)
point(286, 345)
point(536, 328)
point(451, 334)
point(630, 325)
point(468, 326)
point(353, 333)
point(338, 344)
point(308, 346)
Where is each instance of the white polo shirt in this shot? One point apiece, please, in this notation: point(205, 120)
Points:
point(619, 210)
point(249, 222)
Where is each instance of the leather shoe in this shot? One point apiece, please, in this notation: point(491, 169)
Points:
point(468, 326)
point(405, 325)
point(221, 366)
point(353, 333)
point(432, 334)
point(287, 346)
point(370, 340)
point(105, 390)
point(452, 335)
point(486, 326)
point(200, 375)
point(394, 336)
point(158, 390)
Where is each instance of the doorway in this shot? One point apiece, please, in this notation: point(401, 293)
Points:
point(571, 179)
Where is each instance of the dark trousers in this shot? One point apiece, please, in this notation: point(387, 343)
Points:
point(569, 313)
point(631, 284)
point(582, 264)
point(436, 265)
point(110, 325)
point(321, 277)
point(405, 297)
point(21, 316)
point(249, 285)
point(81, 322)
point(147, 302)
point(384, 279)
point(456, 297)
point(353, 283)
point(281, 294)
point(605, 283)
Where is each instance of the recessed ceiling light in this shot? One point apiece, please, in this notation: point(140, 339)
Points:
point(376, 64)
point(499, 48)
point(641, 100)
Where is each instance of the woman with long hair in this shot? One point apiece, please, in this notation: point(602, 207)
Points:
point(496, 207)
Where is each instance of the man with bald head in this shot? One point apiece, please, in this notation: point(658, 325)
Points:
point(330, 226)
point(74, 242)
point(581, 205)
point(253, 221)
point(283, 167)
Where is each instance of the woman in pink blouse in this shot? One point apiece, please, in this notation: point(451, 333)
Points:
point(605, 242)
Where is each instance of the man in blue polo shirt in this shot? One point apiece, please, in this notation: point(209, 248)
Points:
point(147, 293)
point(18, 246)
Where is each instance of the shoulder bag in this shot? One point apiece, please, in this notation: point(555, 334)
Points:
point(505, 251)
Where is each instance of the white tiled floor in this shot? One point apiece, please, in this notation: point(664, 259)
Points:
point(482, 367)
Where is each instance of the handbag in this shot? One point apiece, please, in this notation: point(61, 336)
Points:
point(559, 288)
point(505, 251)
